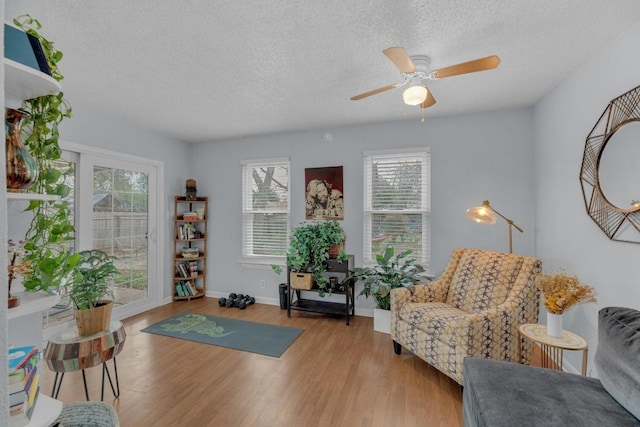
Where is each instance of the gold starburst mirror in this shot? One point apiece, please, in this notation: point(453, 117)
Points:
point(610, 173)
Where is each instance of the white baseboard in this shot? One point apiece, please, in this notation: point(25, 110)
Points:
point(364, 312)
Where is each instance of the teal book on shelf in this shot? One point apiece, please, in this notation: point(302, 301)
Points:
point(24, 49)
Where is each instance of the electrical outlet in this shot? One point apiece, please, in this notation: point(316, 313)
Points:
point(262, 283)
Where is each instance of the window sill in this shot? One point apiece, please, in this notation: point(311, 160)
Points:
point(262, 262)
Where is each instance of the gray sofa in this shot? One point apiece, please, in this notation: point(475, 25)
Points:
point(499, 393)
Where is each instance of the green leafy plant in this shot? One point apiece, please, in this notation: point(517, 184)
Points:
point(91, 280)
point(48, 238)
point(309, 246)
point(390, 272)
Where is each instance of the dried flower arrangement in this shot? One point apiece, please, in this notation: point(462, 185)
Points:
point(561, 292)
point(18, 265)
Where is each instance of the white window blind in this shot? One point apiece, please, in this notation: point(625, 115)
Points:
point(397, 203)
point(265, 208)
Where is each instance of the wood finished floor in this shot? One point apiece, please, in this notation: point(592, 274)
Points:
point(332, 375)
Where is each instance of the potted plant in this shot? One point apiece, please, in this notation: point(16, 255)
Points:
point(309, 247)
point(87, 288)
point(391, 271)
point(48, 252)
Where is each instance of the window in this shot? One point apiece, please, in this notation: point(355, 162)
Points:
point(397, 203)
point(63, 311)
point(265, 208)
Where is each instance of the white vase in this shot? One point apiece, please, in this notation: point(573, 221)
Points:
point(554, 325)
point(382, 320)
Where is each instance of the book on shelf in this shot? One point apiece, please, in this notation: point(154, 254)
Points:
point(18, 416)
point(187, 289)
point(179, 290)
point(182, 270)
point(20, 413)
point(18, 397)
point(19, 356)
point(184, 289)
point(186, 231)
point(193, 268)
point(192, 288)
point(25, 381)
point(16, 377)
point(190, 216)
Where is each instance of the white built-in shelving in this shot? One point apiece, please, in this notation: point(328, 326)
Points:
point(32, 302)
point(22, 82)
point(25, 320)
point(32, 196)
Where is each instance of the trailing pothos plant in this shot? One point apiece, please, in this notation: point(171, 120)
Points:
point(48, 240)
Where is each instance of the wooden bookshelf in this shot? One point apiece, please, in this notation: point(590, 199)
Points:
point(190, 248)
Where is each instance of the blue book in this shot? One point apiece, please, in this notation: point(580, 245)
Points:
point(24, 48)
point(19, 356)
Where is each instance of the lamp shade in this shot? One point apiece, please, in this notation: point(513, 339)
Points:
point(482, 214)
point(414, 95)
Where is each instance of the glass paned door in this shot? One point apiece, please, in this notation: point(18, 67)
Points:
point(116, 209)
point(121, 196)
point(120, 228)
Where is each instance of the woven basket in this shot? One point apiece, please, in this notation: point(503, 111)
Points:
point(334, 250)
point(302, 281)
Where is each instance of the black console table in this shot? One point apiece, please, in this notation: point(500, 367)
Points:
point(297, 301)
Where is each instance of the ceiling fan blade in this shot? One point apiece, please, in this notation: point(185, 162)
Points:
point(373, 92)
point(430, 101)
point(482, 64)
point(399, 57)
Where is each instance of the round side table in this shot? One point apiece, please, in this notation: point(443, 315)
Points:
point(553, 347)
point(67, 351)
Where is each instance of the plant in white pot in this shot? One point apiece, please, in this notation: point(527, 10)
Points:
point(87, 289)
point(391, 271)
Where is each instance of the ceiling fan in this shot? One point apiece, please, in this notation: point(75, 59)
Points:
point(417, 93)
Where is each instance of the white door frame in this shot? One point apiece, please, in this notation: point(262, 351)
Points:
point(156, 241)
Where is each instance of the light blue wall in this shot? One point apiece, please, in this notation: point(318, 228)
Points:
point(473, 157)
point(468, 156)
point(89, 128)
point(566, 236)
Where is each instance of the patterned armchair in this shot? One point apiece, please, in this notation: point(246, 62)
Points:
point(472, 310)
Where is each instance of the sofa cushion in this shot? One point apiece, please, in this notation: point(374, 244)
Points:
point(483, 279)
point(618, 355)
point(508, 394)
point(438, 320)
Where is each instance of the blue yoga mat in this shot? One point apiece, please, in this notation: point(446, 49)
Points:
point(261, 338)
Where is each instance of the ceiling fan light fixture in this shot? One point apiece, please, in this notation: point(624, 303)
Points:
point(414, 95)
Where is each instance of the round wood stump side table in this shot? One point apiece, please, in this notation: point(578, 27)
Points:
point(553, 347)
point(67, 351)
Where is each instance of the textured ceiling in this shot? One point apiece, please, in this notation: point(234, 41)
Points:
point(204, 70)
